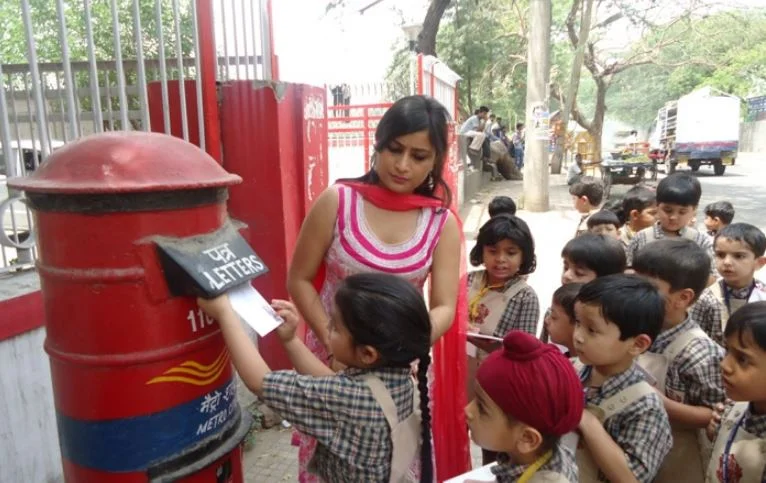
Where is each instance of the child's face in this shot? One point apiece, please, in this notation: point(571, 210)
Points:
point(674, 217)
point(576, 273)
point(560, 327)
point(343, 348)
point(606, 229)
point(490, 427)
point(713, 223)
point(744, 369)
point(502, 260)
point(644, 218)
point(596, 341)
point(736, 262)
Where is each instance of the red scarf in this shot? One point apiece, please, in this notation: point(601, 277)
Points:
point(448, 423)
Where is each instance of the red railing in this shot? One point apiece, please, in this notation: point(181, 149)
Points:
point(354, 125)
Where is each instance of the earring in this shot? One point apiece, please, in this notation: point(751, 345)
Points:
point(430, 180)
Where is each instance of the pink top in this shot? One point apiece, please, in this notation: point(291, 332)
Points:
point(356, 249)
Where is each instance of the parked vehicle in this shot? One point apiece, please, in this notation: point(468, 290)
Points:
point(23, 153)
point(700, 128)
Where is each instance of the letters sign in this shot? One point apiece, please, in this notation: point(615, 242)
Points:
point(208, 265)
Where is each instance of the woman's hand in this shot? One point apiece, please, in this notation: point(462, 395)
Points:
point(289, 313)
point(218, 308)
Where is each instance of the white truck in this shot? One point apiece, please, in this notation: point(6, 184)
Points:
point(699, 128)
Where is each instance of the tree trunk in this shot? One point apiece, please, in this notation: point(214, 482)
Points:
point(574, 81)
point(597, 126)
point(427, 37)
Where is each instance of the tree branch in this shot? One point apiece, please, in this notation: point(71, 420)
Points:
point(555, 91)
point(608, 21)
point(570, 23)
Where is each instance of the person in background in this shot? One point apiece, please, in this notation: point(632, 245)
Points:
point(518, 145)
point(637, 211)
point(473, 129)
point(587, 195)
point(678, 196)
point(560, 320)
point(575, 170)
point(717, 216)
point(501, 204)
point(604, 222)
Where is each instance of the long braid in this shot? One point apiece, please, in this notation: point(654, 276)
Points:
point(426, 463)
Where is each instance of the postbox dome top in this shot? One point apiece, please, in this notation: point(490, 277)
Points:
point(126, 162)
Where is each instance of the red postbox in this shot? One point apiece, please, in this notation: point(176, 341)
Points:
point(142, 380)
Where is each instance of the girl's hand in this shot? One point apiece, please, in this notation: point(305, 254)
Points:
point(218, 308)
point(715, 421)
point(287, 311)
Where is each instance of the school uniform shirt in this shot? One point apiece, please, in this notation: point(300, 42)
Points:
point(709, 310)
point(642, 430)
point(695, 373)
point(354, 439)
point(583, 226)
point(522, 311)
point(643, 237)
point(706, 311)
point(754, 424)
point(562, 462)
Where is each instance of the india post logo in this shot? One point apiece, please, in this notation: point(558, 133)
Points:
point(194, 373)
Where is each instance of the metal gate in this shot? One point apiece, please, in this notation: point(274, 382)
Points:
point(69, 68)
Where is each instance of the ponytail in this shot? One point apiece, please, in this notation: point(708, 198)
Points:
point(426, 463)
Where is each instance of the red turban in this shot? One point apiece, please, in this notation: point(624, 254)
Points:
point(533, 383)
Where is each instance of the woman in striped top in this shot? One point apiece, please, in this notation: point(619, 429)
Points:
point(390, 220)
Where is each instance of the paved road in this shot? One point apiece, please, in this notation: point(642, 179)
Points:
point(744, 185)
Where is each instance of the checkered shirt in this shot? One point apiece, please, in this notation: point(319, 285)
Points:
point(696, 370)
point(521, 313)
point(640, 240)
point(754, 424)
point(562, 462)
point(354, 439)
point(642, 430)
point(707, 312)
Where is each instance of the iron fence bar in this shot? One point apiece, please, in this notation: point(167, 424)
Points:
point(163, 67)
point(5, 130)
point(254, 29)
point(225, 38)
point(36, 81)
point(73, 131)
point(238, 64)
point(198, 78)
point(243, 16)
point(62, 118)
point(180, 58)
point(265, 39)
point(123, 98)
point(95, 96)
point(146, 123)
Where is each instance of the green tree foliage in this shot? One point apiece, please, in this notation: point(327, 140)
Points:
point(726, 50)
point(13, 44)
point(485, 43)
